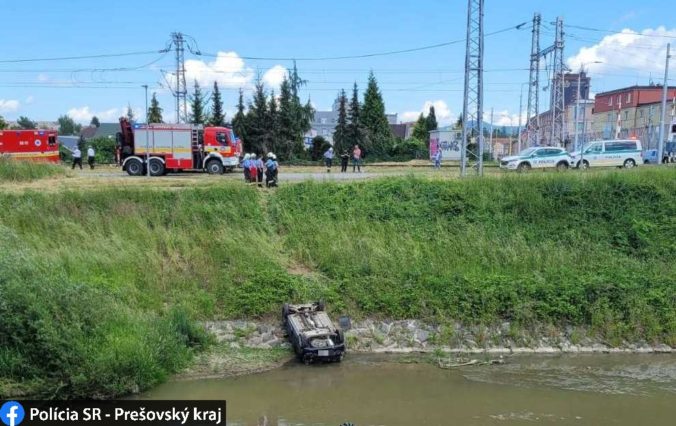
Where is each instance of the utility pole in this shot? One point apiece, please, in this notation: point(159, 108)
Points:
point(490, 138)
point(557, 105)
point(181, 91)
point(145, 86)
point(663, 115)
point(532, 111)
point(472, 112)
point(518, 144)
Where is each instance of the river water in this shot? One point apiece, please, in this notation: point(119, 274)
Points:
point(375, 390)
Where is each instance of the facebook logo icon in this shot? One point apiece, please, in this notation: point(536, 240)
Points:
point(11, 413)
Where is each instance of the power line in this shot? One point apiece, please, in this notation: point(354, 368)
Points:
point(69, 58)
point(598, 30)
point(371, 55)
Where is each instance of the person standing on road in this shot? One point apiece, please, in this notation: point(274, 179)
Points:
point(77, 157)
point(271, 169)
point(90, 157)
point(344, 159)
point(328, 159)
point(260, 167)
point(437, 159)
point(245, 166)
point(356, 159)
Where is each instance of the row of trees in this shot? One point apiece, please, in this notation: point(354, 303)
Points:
point(364, 124)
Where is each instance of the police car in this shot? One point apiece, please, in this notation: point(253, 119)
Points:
point(611, 153)
point(538, 158)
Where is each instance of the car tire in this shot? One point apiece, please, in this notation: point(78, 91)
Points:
point(562, 166)
point(523, 167)
point(285, 312)
point(214, 167)
point(134, 167)
point(156, 167)
point(321, 306)
point(584, 165)
point(629, 164)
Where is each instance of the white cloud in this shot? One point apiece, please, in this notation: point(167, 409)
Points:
point(274, 76)
point(627, 49)
point(29, 100)
point(228, 69)
point(84, 114)
point(504, 118)
point(443, 113)
point(9, 105)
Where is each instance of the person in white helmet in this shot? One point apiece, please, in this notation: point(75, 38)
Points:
point(245, 166)
point(271, 169)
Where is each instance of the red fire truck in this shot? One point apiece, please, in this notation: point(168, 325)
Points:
point(176, 147)
point(33, 145)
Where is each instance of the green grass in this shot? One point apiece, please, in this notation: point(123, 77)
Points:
point(99, 289)
point(22, 171)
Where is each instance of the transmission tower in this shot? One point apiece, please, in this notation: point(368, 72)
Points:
point(181, 91)
point(557, 102)
point(533, 109)
point(472, 111)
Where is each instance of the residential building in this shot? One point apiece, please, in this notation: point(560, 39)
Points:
point(402, 130)
point(584, 122)
point(105, 130)
point(639, 109)
point(324, 122)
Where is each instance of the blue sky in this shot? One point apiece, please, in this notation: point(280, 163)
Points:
point(43, 90)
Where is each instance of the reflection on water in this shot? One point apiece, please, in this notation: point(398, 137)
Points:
point(368, 390)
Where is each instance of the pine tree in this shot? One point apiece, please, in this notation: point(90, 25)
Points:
point(287, 120)
point(340, 141)
point(130, 113)
point(217, 114)
point(420, 129)
point(197, 106)
point(432, 120)
point(95, 122)
point(374, 119)
point(3, 123)
point(257, 126)
point(155, 112)
point(239, 120)
point(273, 124)
point(356, 134)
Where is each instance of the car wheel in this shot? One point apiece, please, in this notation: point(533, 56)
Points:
point(629, 164)
point(585, 165)
point(562, 166)
point(215, 167)
point(321, 306)
point(523, 167)
point(156, 167)
point(134, 167)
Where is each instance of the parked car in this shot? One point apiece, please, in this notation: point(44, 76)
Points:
point(312, 333)
point(537, 158)
point(611, 153)
point(650, 156)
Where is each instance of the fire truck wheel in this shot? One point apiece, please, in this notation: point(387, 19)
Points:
point(156, 167)
point(215, 167)
point(134, 167)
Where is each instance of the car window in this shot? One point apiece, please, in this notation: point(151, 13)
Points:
point(595, 148)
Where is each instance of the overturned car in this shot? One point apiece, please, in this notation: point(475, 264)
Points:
point(312, 333)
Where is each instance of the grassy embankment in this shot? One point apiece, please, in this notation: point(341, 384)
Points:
point(23, 171)
point(98, 287)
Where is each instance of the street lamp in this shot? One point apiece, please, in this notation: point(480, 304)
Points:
point(577, 110)
point(145, 86)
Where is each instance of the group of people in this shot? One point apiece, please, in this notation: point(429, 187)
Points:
point(344, 159)
point(254, 169)
point(77, 157)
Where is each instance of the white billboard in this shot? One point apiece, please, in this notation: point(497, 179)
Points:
point(449, 143)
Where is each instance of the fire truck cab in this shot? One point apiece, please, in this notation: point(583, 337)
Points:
point(32, 145)
point(160, 148)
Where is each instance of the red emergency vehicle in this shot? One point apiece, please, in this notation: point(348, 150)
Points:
point(33, 145)
point(176, 147)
